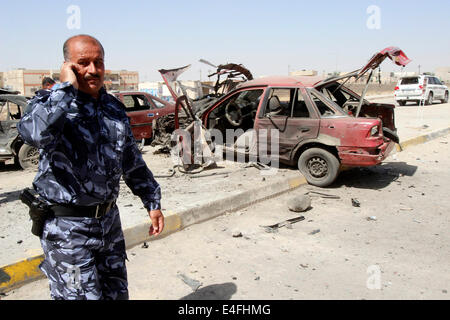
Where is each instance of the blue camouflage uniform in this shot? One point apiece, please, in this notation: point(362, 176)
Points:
point(86, 146)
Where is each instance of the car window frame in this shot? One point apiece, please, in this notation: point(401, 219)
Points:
point(339, 112)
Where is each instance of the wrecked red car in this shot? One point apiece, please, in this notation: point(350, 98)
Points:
point(142, 109)
point(322, 125)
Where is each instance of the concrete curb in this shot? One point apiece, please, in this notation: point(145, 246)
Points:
point(25, 271)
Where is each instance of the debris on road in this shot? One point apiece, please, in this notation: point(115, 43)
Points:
point(211, 174)
point(355, 203)
point(322, 195)
point(144, 245)
point(372, 218)
point(314, 232)
point(237, 234)
point(194, 284)
point(299, 203)
point(287, 222)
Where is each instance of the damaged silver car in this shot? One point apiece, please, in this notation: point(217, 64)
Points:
point(12, 108)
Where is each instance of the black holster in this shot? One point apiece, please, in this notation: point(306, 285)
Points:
point(39, 211)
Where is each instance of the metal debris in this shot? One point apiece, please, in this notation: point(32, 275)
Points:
point(322, 195)
point(194, 284)
point(237, 234)
point(314, 231)
point(355, 203)
point(289, 222)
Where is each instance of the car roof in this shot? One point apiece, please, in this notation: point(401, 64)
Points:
point(275, 81)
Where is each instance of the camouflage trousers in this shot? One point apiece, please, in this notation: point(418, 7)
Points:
point(85, 257)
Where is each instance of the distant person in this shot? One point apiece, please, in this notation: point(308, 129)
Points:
point(47, 85)
point(42, 94)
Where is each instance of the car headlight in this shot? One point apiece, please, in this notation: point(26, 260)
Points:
point(374, 131)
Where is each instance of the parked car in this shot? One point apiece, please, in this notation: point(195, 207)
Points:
point(12, 107)
point(322, 125)
point(423, 88)
point(142, 109)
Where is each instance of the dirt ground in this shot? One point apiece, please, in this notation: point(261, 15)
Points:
point(393, 246)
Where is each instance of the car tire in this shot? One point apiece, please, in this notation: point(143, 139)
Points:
point(28, 157)
point(402, 103)
point(445, 100)
point(429, 101)
point(319, 166)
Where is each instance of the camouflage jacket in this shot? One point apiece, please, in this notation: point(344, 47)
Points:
point(85, 145)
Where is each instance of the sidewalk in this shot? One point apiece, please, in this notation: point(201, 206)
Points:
point(192, 199)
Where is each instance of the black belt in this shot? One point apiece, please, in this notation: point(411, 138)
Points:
point(82, 211)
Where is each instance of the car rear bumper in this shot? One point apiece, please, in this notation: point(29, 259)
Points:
point(364, 157)
point(412, 95)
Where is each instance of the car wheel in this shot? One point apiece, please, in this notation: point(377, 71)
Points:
point(429, 99)
point(319, 166)
point(28, 157)
point(445, 100)
point(402, 103)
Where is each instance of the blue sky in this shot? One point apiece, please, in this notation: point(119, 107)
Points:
point(268, 37)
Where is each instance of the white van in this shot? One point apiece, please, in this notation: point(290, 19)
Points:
point(422, 89)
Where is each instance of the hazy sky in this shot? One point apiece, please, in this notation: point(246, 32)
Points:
point(267, 37)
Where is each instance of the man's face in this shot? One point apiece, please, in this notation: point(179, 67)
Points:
point(88, 57)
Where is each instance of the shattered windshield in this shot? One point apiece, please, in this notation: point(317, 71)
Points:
point(319, 99)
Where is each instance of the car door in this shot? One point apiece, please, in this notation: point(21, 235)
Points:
point(10, 113)
point(162, 107)
point(141, 112)
point(439, 88)
point(286, 111)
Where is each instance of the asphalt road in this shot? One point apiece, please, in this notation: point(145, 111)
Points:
point(395, 245)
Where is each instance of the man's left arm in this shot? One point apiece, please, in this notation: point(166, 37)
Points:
point(140, 180)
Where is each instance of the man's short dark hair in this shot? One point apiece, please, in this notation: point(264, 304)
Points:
point(47, 81)
point(66, 44)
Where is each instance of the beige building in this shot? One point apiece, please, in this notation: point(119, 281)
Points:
point(28, 81)
point(299, 73)
point(443, 73)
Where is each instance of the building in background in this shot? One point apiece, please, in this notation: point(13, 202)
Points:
point(443, 73)
point(299, 73)
point(28, 81)
point(194, 89)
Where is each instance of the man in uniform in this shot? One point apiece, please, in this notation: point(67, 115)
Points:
point(86, 146)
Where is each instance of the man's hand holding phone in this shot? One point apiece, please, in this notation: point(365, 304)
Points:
point(69, 73)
